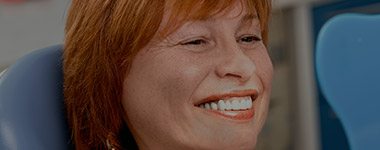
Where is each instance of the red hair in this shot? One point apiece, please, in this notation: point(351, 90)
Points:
point(102, 38)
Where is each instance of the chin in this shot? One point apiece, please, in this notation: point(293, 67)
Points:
point(223, 136)
point(227, 143)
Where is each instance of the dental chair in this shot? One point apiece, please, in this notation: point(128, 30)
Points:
point(32, 114)
point(348, 72)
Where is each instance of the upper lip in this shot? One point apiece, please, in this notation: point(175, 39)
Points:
point(242, 93)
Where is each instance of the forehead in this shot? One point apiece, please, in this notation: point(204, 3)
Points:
point(177, 13)
point(238, 10)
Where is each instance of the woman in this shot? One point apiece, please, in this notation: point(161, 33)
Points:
point(176, 74)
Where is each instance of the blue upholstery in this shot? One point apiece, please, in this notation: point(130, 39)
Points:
point(348, 71)
point(31, 103)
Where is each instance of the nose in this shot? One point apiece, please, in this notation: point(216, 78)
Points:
point(235, 64)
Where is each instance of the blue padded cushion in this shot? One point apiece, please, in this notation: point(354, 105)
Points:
point(348, 71)
point(32, 114)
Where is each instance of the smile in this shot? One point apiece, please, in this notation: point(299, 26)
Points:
point(237, 106)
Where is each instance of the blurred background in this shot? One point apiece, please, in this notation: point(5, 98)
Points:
point(299, 117)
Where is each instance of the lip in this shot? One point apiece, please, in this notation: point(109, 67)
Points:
point(241, 114)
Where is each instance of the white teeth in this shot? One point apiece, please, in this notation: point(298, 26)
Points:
point(221, 105)
point(228, 105)
point(235, 103)
point(231, 113)
point(214, 106)
point(244, 104)
point(207, 105)
point(202, 105)
point(249, 104)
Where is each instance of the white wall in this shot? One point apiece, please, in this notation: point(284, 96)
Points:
point(28, 26)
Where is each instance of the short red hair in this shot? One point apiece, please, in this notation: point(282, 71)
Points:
point(102, 38)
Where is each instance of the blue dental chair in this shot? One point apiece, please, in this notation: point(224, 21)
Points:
point(348, 72)
point(32, 114)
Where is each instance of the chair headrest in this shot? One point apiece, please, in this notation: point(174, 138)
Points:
point(348, 71)
point(32, 114)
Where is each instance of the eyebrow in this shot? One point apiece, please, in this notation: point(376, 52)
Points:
point(245, 18)
point(248, 18)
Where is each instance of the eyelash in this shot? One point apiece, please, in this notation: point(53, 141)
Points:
point(194, 42)
point(201, 44)
point(251, 38)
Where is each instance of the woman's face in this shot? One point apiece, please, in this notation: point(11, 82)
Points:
point(205, 86)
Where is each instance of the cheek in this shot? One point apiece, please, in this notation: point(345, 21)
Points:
point(161, 83)
point(178, 75)
point(156, 92)
point(264, 67)
point(179, 81)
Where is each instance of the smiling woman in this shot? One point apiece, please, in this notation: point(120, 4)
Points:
point(186, 74)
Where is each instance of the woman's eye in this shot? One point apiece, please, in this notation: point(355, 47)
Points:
point(249, 39)
point(197, 45)
point(195, 42)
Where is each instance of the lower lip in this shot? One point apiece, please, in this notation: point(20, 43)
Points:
point(241, 114)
